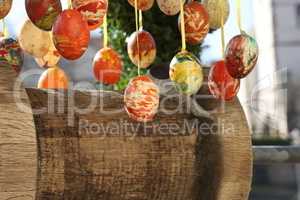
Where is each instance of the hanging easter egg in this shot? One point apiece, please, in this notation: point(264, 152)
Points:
point(11, 54)
point(142, 4)
point(241, 55)
point(221, 84)
point(141, 47)
point(186, 73)
point(71, 35)
point(51, 58)
point(196, 22)
point(141, 99)
point(169, 7)
point(107, 66)
point(43, 13)
point(218, 11)
point(92, 10)
point(33, 40)
point(53, 78)
point(5, 6)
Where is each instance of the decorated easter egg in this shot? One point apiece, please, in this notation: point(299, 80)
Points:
point(5, 6)
point(92, 10)
point(51, 58)
point(196, 22)
point(142, 4)
point(107, 66)
point(11, 54)
point(53, 78)
point(43, 13)
point(221, 84)
point(218, 11)
point(33, 40)
point(241, 55)
point(141, 48)
point(186, 73)
point(169, 7)
point(71, 34)
point(141, 99)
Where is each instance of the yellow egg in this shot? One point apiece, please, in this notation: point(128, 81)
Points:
point(217, 9)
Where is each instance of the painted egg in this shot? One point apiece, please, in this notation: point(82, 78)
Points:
point(51, 58)
point(93, 11)
point(196, 22)
point(141, 48)
point(142, 4)
point(5, 6)
point(53, 78)
point(169, 7)
point(11, 54)
point(217, 10)
point(141, 99)
point(221, 84)
point(107, 66)
point(186, 73)
point(71, 35)
point(33, 40)
point(43, 13)
point(241, 55)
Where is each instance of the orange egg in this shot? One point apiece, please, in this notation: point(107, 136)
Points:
point(53, 78)
point(142, 4)
point(5, 6)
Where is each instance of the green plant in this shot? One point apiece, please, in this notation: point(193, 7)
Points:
point(164, 29)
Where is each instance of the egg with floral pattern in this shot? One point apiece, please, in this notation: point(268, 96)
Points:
point(92, 10)
point(11, 54)
point(218, 12)
point(53, 78)
point(241, 55)
point(43, 13)
point(196, 22)
point(141, 99)
point(71, 34)
point(5, 6)
point(141, 48)
point(169, 7)
point(142, 4)
point(107, 66)
point(186, 73)
point(221, 84)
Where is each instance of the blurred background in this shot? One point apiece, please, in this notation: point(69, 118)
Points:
point(270, 94)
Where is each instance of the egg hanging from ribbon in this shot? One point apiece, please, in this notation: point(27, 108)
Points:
point(221, 84)
point(186, 73)
point(11, 54)
point(51, 58)
point(217, 9)
point(71, 35)
point(33, 40)
point(107, 66)
point(5, 6)
point(241, 55)
point(169, 7)
point(141, 48)
point(43, 13)
point(53, 78)
point(92, 10)
point(141, 99)
point(142, 4)
point(196, 22)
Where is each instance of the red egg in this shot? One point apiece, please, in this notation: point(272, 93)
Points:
point(5, 6)
point(141, 99)
point(196, 22)
point(142, 4)
point(241, 55)
point(107, 66)
point(221, 84)
point(71, 34)
point(141, 47)
point(43, 13)
point(93, 11)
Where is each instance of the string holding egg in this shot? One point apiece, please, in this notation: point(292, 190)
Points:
point(53, 78)
point(218, 11)
point(143, 5)
point(5, 7)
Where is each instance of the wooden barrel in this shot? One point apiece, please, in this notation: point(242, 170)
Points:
point(104, 155)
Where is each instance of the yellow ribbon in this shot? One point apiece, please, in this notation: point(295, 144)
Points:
point(105, 32)
point(141, 20)
point(137, 26)
point(70, 4)
point(4, 28)
point(222, 31)
point(239, 14)
point(183, 45)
